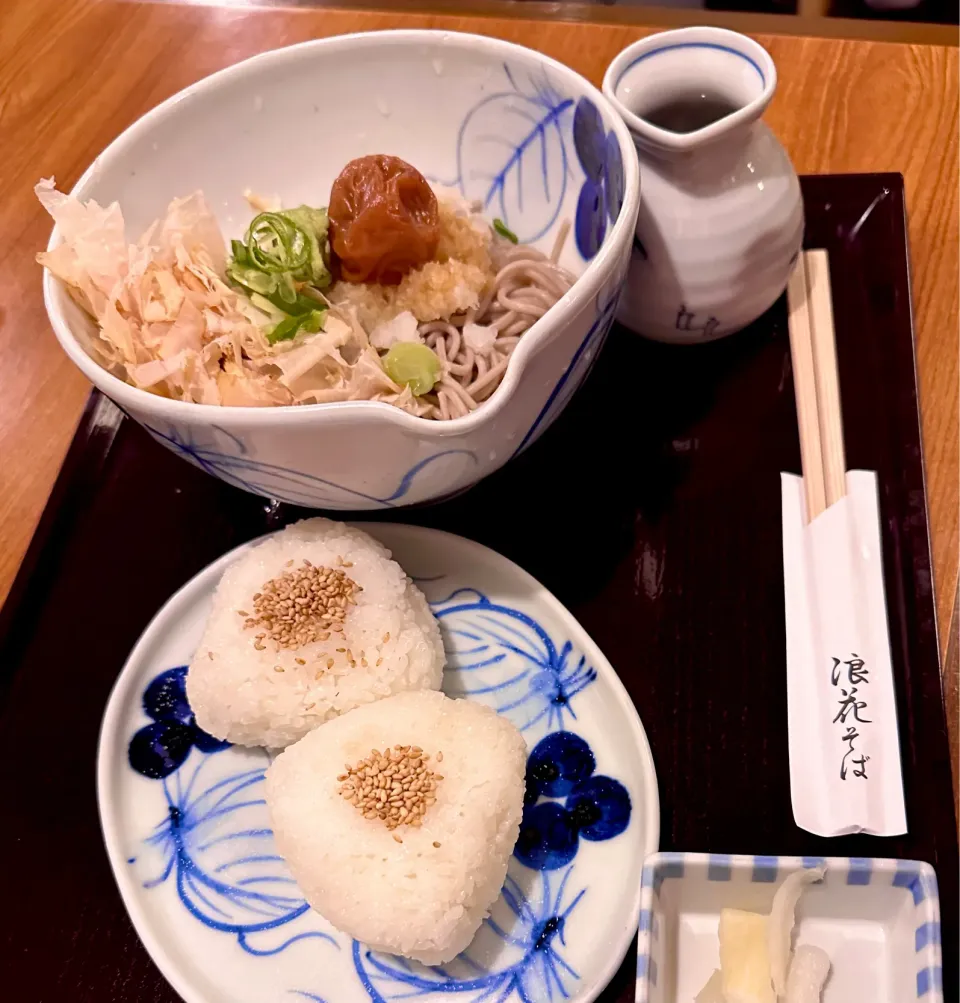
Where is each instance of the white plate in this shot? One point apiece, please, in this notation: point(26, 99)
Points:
point(193, 854)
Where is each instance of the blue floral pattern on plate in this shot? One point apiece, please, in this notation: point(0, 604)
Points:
point(595, 807)
point(505, 657)
point(217, 846)
point(159, 748)
point(216, 843)
point(530, 930)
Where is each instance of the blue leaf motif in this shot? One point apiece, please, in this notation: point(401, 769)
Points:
point(580, 365)
point(512, 154)
point(590, 223)
point(506, 658)
point(589, 139)
point(230, 461)
point(613, 179)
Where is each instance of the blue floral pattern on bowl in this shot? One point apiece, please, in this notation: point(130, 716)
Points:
point(228, 458)
point(601, 195)
point(531, 123)
point(525, 123)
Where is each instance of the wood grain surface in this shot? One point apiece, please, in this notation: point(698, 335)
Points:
point(75, 73)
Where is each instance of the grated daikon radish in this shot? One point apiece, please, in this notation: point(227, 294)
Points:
point(808, 973)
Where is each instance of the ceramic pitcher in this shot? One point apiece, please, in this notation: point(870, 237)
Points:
point(721, 216)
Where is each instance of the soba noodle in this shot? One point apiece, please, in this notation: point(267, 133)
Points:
point(526, 285)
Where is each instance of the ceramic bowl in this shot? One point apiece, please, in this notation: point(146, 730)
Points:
point(533, 140)
point(878, 920)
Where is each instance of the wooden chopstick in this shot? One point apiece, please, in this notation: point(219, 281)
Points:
point(828, 380)
point(816, 383)
point(805, 390)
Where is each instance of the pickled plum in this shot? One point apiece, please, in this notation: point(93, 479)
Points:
point(384, 220)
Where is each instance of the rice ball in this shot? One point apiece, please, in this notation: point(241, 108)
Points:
point(415, 870)
point(311, 623)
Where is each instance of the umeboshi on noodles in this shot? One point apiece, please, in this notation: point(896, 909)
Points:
point(384, 220)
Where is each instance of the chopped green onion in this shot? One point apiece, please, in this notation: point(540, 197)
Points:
point(270, 309)
point(501, 228)
point(252, 278)
point(239, 250)
point(276, 244)
point(414, 364)
point(283, 253)
point(286, 291)
point(315, 223)
point(292, 326)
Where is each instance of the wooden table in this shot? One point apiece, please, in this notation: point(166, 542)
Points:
point(74, 73)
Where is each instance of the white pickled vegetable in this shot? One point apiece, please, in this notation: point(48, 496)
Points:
point(780, 927)
point(712, 992)
point(744, 958)
point(808, 973)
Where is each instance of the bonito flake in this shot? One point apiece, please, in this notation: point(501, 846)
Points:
point(170, 324)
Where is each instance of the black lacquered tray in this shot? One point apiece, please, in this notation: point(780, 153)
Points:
point(651, 509)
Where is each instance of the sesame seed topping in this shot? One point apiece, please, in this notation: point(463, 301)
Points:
point(300, 606)
point(394, 786)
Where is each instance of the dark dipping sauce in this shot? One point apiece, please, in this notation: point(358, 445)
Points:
point(689, 113)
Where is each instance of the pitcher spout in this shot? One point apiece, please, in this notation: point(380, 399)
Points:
point(685, 89)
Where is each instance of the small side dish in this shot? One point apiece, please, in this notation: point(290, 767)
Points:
point(755, 928)
point(393, 292)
